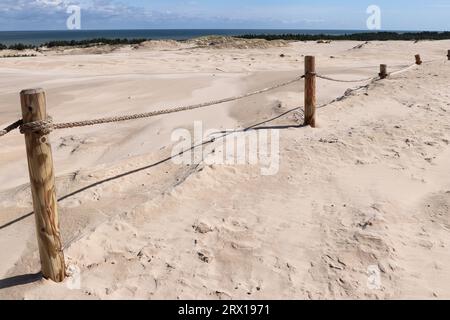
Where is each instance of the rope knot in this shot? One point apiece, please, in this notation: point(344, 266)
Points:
point(42, 127)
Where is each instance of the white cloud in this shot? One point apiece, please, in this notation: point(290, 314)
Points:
point(116, 14)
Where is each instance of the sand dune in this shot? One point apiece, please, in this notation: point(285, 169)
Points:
point(369, 188)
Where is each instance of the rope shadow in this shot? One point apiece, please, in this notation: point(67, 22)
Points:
point(257, 126)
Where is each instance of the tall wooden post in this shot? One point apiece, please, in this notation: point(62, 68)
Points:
point(448, 54)
point(383, 71)
point(418, 59)
point(42, 182)
point(310, 91)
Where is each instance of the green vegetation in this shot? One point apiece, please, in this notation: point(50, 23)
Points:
point(90, 42)
point(74, 43)
point(21, 47)
point(18, 56)
point(367, 36)
point(17, 46)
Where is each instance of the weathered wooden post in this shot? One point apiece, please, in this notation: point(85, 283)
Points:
point(383, 71)
point(42, 182)
point(418, 59)
point(310, 91)
point(448, 54)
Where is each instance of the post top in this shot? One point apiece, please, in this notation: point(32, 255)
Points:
point(32, 91)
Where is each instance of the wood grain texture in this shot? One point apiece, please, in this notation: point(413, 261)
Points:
point(42, 182)
point(383, 71)
point(310, 91)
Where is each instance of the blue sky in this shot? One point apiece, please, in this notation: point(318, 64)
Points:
point(277, 14)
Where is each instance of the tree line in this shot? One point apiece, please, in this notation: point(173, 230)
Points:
point(365, 36)
point(73, 43)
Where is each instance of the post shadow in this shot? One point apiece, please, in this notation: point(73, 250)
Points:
point(20, 280)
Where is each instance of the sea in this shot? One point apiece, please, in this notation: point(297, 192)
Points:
point(41, 37)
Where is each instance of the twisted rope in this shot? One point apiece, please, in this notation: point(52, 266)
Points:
point(42, 126)
point(11, 127)
point(341, 80)
point(46, 126)
point(402, 70)
point(369, 79)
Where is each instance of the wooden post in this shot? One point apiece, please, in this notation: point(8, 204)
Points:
point(448, 55)
point(42, 182)
point(383, 71)
point(310, 91)
point(418, 60)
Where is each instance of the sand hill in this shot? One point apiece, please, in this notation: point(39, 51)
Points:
point(367, 191)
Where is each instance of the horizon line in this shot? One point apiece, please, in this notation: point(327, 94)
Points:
point(237, 29)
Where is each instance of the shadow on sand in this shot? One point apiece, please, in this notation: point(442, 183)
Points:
point(31, 278)
point(20, 280)
point(258, 126)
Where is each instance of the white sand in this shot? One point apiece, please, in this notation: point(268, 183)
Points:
point(369, 187)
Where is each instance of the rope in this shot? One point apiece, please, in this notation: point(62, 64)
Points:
point(11, 127)
point(341, 80)
point(373, 78)
point(42, 126)
point(46, 126)
point(402, 70)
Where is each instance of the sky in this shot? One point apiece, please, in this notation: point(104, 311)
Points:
point(225, 14)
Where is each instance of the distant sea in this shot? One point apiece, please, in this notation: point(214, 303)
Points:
point(41, 37)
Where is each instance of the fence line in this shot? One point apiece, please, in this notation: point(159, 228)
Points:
point(46, 126)
point(36, 125)
point(371, 78)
